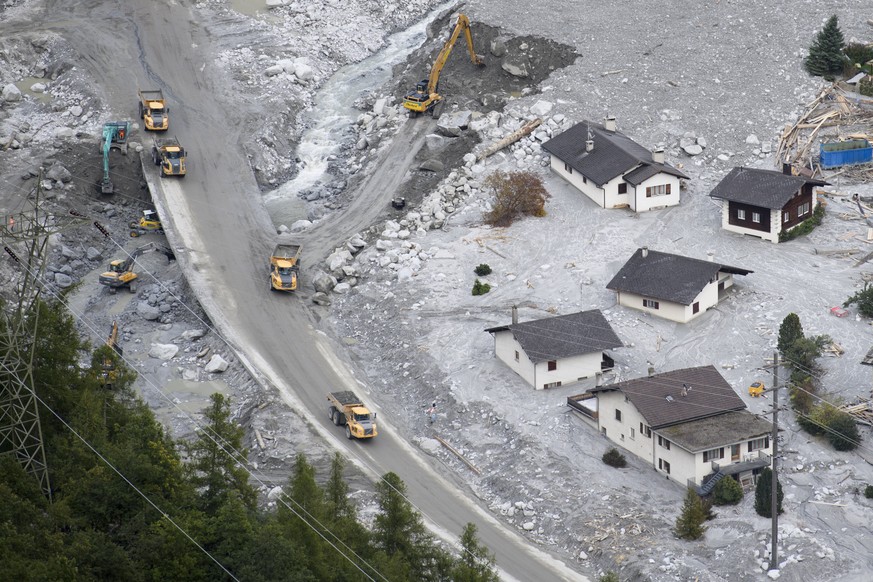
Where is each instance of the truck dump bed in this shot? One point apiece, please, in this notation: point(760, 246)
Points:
point(153, 95)
point(346, 398)
point(286, 252)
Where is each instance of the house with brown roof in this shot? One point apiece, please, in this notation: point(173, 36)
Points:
point(765, 203)
point(613, 170)
point(672, 286)
point(558, 350)
point(689, 424)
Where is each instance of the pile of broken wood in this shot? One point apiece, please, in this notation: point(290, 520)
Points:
point(830, 109)
point(862, 412)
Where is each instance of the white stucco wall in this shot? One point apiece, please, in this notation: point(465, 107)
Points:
point(567, 371)
point(775, 225)
point(575, 178)
point(707, 299)
point(640, 203)
point(620, 432)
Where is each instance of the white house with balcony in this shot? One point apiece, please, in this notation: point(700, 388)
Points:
point(689, 424)
point(672, 286)
point(613, 170)
point(556, 351)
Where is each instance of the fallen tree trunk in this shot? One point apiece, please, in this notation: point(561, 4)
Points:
point(509, 139)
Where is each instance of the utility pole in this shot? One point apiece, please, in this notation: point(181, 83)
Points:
point(774, 482)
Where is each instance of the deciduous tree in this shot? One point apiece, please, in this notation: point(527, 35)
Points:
point(516, 194)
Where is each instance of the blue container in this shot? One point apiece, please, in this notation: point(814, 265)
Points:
point(845, 153)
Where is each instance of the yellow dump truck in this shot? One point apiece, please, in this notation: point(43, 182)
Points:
point(347, 409)
point(169, 154)
point(153, 110)
point(284, 267)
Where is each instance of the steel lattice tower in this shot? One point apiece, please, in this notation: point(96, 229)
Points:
point(24, 237)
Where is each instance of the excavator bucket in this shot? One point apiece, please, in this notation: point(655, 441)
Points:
point(106, 186)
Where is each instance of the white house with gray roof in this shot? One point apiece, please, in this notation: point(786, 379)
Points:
point(689, 424)
point(613, 170)
point(556, 351)
point(765, 203)
point(672, 286)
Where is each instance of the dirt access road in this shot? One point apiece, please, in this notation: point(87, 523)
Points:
point(222, 234)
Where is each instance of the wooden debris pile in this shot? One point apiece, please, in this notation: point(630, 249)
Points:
point(862, 412)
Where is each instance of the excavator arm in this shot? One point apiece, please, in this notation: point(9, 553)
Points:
point(106, 186)
point(463, 24)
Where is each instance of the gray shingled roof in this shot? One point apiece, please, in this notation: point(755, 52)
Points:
point(667, 277)
point(709, 395)
point(613, 154)
point(717, 431)
point(764, 188)
point(559, 337)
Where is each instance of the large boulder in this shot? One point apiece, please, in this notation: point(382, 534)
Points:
point(323, 282)
point(460, 119)
point(498, 47)
point(321, 299)
point(63, 281)
point(163, 351)
point(517, 65)
point(11, 93)
point(541, 108)
point(216, 365)
point(432, 165)
point(193, 334)
point(303, 71)
point(59, 173)
point(148, 312)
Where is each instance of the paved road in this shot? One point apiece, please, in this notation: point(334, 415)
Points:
point(217, 217)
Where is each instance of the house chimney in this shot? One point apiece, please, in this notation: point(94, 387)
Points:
point(514, 314)
point(658, 156)
point(710, 256)
point(651, 371)
point(684, 391)
point(589, 145)
point(610, 123)
point(786, 169)
point(645, 252)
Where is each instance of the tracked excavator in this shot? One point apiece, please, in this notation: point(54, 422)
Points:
point(147, 223)
point(110, 373)
point(425, 98)
point(115, 135)
point(121, 274)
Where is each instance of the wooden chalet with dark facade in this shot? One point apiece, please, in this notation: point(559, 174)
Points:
point(765, 203)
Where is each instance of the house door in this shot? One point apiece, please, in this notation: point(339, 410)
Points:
point(721, 286)
point(735, 453)
point(696, 307)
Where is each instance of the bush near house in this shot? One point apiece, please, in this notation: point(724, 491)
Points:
point(609, 577)
point(858, 53)
point(727, 492)
point(614, 458)
point(516, 194)
point(843, 432)
point(763, 495)
point(482, 270)
point(480, 288)
point(868, 491)
point(805, 227)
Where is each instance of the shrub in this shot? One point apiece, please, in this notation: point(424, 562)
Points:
point(614, 458)
point(727, 492)
point(763, 494)
point(868, 491)
point(864, 299)
point(826, 56)
point(516, 194)
point(858, 53)
point(802, 392)
point(689, 524)
point(805, 227)
point(843, 433)
point(480, 288)
point(482, 270)
point(609, 577)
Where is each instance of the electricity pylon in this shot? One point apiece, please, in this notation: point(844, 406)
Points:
point(24, 237)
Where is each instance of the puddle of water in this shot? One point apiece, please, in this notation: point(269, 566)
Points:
point(192, 397)
point(26, 83)
point(123, 297)
point(332, 113)
point(249, 7)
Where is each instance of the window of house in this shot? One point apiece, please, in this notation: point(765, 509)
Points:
point(741, 214)
point(622, 188)
point(552, 385)
point(713, 454)
point(645, 430)
point(758, 444)
point(553, 365)
point(664, 442)
point(618, 414)
point(516, 355)
point(696, 307)
point(568, 168)
point(621, 437)
point(803, 209)
point(664, 466)
point(756, 217)
point(651, 304)
point(662, 190)
point(584, 180)
point(633, 434)
point(785, 216)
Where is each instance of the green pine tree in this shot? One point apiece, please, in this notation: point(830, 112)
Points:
point(476, 563)
point(826, 58)
point(789, 332)
point(763, 493)
point(689, 524)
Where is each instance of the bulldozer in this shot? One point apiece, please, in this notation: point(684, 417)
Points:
point(115, 135)
point(121, 274)
point(425, 98)
point(147, 223)
point(169, 154)
point(109, 373)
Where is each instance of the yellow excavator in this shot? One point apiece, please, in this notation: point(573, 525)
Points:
point(110, 373)
point(147, 223)
point(425, 98)
point(120, 273)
